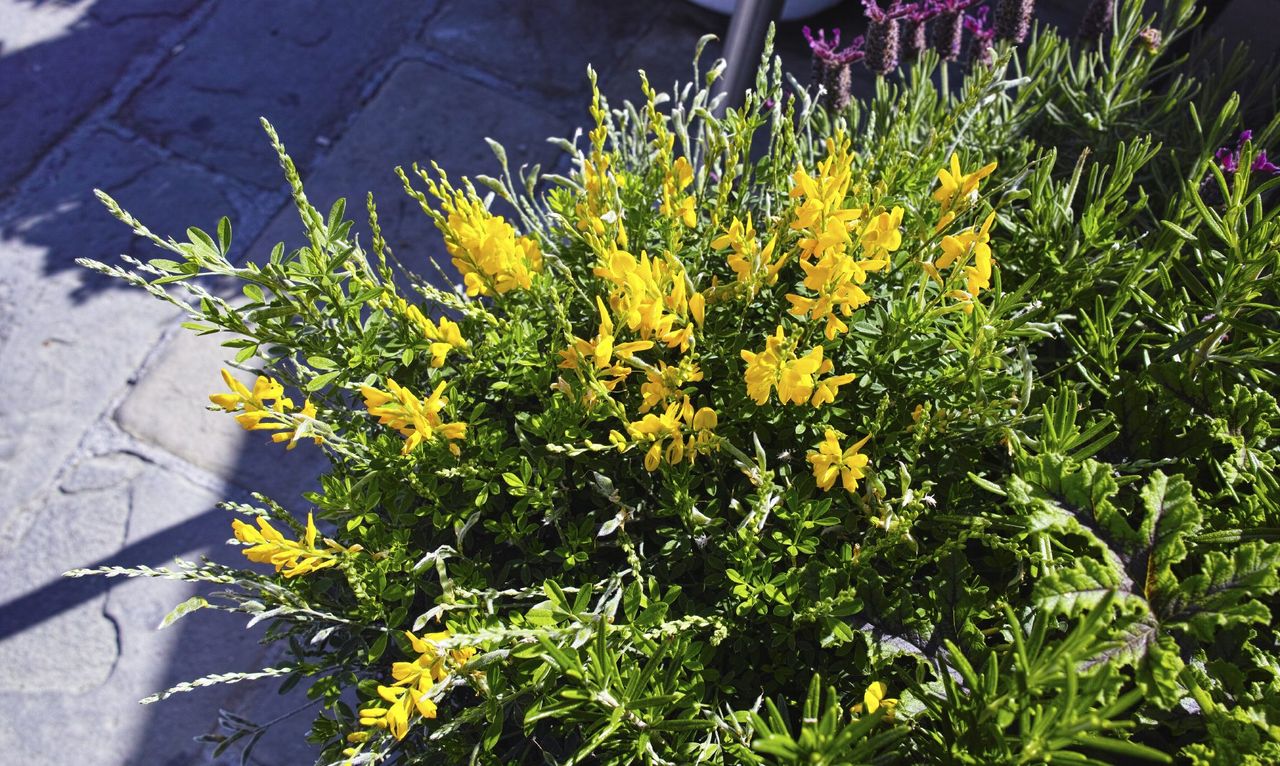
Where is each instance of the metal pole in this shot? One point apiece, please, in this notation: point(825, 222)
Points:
point(743, 45)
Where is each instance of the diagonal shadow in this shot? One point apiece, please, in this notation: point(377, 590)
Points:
point(155, 550)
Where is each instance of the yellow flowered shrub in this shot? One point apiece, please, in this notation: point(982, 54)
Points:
point(693, 450)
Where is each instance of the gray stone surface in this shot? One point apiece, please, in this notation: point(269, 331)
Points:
point(302, 64)
point(59, 61)
point(78, 341)
point(84, 668)
point(168, 408)
point(438, 116)
point(542, 48)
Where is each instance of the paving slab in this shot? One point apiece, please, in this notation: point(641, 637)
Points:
point(541, 48)
point(422, 113)
point(302, 64)
point(89, 649)
point(60, 60)
point(168, 407)
point(70, 345)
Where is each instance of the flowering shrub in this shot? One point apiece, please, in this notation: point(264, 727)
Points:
point(936, 429)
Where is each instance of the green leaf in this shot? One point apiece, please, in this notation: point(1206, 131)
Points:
point(1172, 516)
point(224, 235)
point(1072, 591)
point(253, 292)
point(322, 380)
point(1226, 589)
point(193, 604)
point(541, 615)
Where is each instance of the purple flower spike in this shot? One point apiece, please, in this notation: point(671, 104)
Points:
point(1097, 18)
point(831, 66)
point(915, 25)
point(948, 34)
point(915, 37)
point(981, 36)
point(882, 37)
point(1013, 19)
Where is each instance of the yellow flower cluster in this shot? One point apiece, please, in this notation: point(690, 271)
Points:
point(794, 377)
point(652, 297)
point(444, 337)
point(831, 462)
point(666, 382)
point(253, 412)
point(492, 259)
point(599, 354)
point(416, 420)
point(754, 267)
point(295, 557)
point(412, 690)
point(677, 175)
point(597, 180)
point(832, 272)
point(821, 215)
point(676, 204)
point(665, 434)
point(957, 189)
point(975, 242)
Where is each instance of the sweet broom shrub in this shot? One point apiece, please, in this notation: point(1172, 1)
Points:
point(936, 429)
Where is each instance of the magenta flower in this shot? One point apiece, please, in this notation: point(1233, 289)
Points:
point(1228, 157)
point(829, 51)
point(981, 35)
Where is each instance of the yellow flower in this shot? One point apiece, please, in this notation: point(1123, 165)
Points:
point(957, 189)
point(957, 248)
point(754, 267)
point(252, 407)
point(295, 557)
point(777, 366)
point(598, 354)
point(254, 413)
point(486, 250)
point(414, 682)
point(874, 698)
point(666, 382)
point(650, 295)
point(821, 213)
point(836, 278)
point(882, 234)
point(673, 205)
point(828, 387)
point(299, 420)
point(404, 701)
point(665, 434)
point(831, 462)
point(597, 180)
point(416, 420)
point(444, 337)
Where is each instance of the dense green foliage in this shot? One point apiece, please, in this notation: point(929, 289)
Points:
point(1064, 544)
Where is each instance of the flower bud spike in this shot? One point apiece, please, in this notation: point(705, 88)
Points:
point(948, 35)
point(1013, 19)
point(1097, 19)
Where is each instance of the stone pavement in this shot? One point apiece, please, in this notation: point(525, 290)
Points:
point(107, 454)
